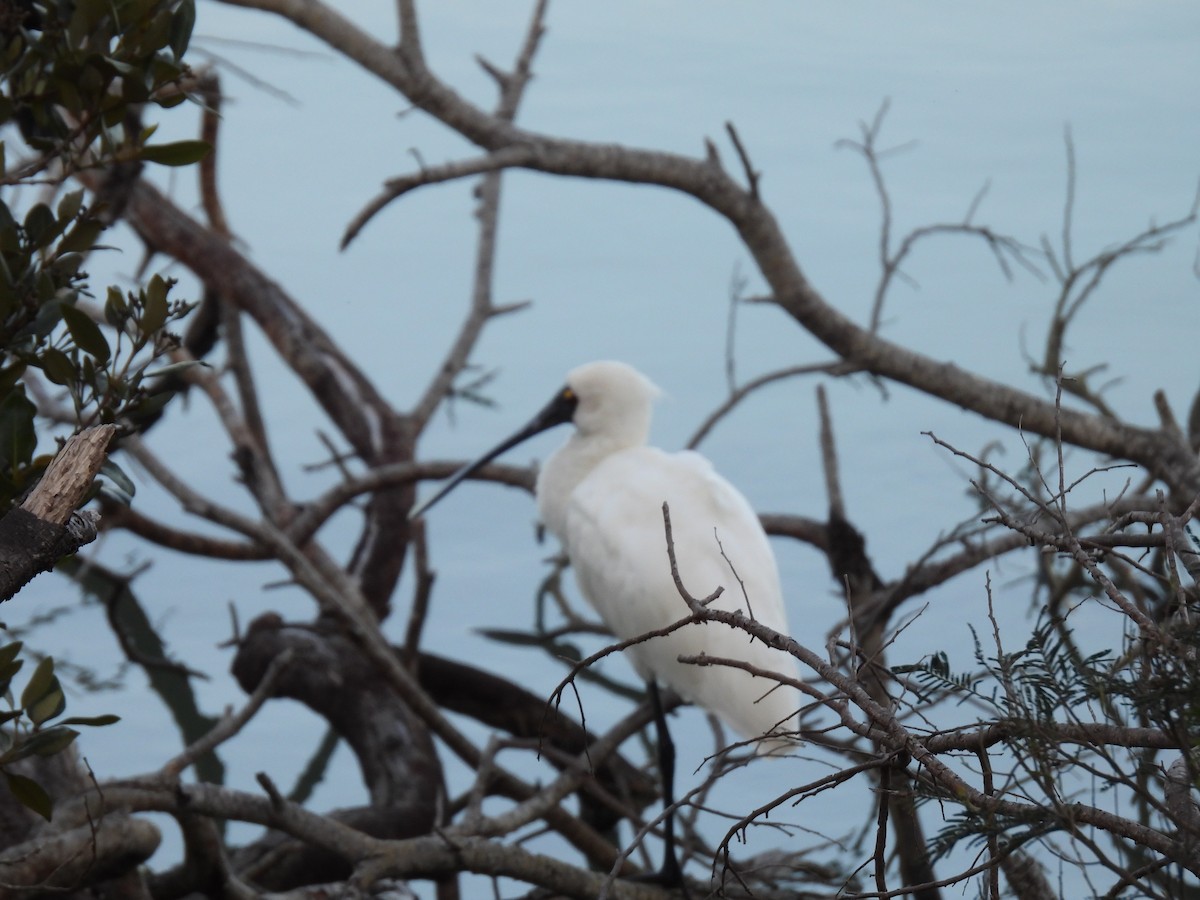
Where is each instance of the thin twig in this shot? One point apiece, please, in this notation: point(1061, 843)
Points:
point(231, 725)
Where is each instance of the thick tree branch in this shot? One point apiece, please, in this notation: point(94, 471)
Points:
point(47, 526)
point(57, 861)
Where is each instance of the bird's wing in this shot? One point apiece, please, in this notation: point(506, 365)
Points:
point(616, 541)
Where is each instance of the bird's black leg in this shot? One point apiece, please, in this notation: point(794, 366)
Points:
point(670, 875)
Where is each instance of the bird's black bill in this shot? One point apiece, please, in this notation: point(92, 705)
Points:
point(559, 410)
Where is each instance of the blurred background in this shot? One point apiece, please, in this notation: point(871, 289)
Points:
point(978, 96)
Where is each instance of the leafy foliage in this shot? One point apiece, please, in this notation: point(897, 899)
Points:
point(1036, 695)
point(75, 69)
point(78, 75)
point(28, 731)
point(44, 326)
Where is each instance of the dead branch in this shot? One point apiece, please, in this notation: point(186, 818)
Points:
point(47, 526)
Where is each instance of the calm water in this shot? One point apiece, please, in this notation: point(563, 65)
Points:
point(644, 276)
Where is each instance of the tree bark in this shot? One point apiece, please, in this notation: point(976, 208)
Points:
point(47, 525)
point(395, 752)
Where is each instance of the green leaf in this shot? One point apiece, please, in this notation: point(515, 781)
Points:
point(181, 27)
point(69, 97)
point(47, 319)
point(117, 476)
point(110, 494)
point(9, 667)
point(30, 794)
point(171, 100)
point(7, 672)
point(40, 225)
point(154, 314)
point(179, 153)
point(86, 333)
point(8, 292)
point(48, 742)
point(9, 652)
point(17, 436)
point(10, 376)
point(150, 407)
point(96, 721)
point(58, 367)
point(82, 237)
point(134, 90)
point(88, 15)
point(46, 288)
point(41, 682)
point(116, 309)
point(48, 706)
point(119, 66)
point(10, 242)
point(66, 265)
point(69, 206)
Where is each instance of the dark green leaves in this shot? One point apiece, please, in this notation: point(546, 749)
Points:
point(30, 794)
point(82, 237)
point(93, 59)
point(41, 227)
point(17, 437)
point(46, 743)
point(180, 33)
point(104, 363)
point(44, 324)
point(79, 89)
point(40, 683)
point(98, 721)
point(70, 205)
point(116, 310)
point(43, 697)
point(58, 367)
point(9, 664)
point(41, 700)
point(17, 440)
point(180, 153)
point(117, 486)
point(154, 305)
point(86, 333)
point(40, 268)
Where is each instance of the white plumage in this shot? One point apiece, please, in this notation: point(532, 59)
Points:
point(601, 494)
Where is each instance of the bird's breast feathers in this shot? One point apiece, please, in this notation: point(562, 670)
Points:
point(617, 544)
point(616, 538)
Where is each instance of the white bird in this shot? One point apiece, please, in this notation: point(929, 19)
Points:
point(601, 495)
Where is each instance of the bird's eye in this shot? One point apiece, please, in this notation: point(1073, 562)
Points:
point(568, 394)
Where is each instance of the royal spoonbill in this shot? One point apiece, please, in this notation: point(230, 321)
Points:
point(601, 495)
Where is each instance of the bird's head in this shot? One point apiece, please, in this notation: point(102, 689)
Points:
point(606, 400)
point(613, 400)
